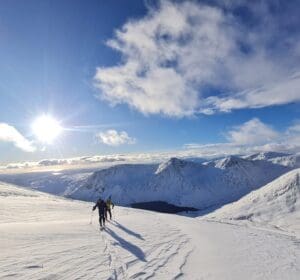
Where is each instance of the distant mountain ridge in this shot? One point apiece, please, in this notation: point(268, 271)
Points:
point(266, 155)
point(176, 181)
point(289, 160)
point(180, 182)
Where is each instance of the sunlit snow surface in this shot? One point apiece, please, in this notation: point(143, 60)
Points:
point(277, 205)
point(47, 237)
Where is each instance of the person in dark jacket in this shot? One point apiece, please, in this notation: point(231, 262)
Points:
point(102, 208)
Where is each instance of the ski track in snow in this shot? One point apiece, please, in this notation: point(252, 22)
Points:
point(101, 255)
point(71, 248)
point(161, 244)
point(44, 237)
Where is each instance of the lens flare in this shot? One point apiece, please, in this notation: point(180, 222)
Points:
point(46, 129)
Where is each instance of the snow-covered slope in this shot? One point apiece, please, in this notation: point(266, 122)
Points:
point(55, 182)
point(18, 205)
point(180, 182)
point(277, 203)
point(47, 237)
point(124, 182)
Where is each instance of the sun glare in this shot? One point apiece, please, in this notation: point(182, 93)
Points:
point(46, 129)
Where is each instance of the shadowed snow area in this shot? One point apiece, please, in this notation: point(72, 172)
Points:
point(47, 237)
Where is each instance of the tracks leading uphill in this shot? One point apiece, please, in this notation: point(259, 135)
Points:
point(138, 245)
point(45, 237)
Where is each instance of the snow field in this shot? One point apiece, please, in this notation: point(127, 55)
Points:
point(46, 237)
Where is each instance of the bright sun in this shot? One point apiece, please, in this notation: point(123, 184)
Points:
point(46, 129)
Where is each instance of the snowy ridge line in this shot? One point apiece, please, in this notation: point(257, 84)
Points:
point(180, 182)
point(175, 181)
point(275, 205)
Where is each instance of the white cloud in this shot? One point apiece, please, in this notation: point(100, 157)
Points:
point(177, 50)
point(225, 149)
point(10, 134)
point(20, 165)
point(282, 92)
point(252, 132)
point(114, 138)
point(251, 137)
point(292, 135)
point(167, 55)
point(295, 128)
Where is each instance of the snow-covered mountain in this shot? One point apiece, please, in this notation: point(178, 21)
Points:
point(266, 155)
point(289, 160)
point(292, 161)
point(277, 203)
point(124, 182)
point(55, 182)
point(180, 182)
point(176, 181)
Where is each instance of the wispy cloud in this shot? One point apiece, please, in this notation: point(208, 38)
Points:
point(282, 92)
point(94, 127)
point(180, 49)
point(112, 137)
point(251, 137)
point(294, 129)
point(252, 132)
point(292, 135)
point(10, 134)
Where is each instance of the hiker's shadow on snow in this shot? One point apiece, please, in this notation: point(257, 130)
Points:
point(127, 230)
point(133, 249)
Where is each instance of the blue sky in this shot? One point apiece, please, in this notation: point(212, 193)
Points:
point(149, 76)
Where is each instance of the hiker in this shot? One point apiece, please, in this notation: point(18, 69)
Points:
point(109, 206)
point(102, 211)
